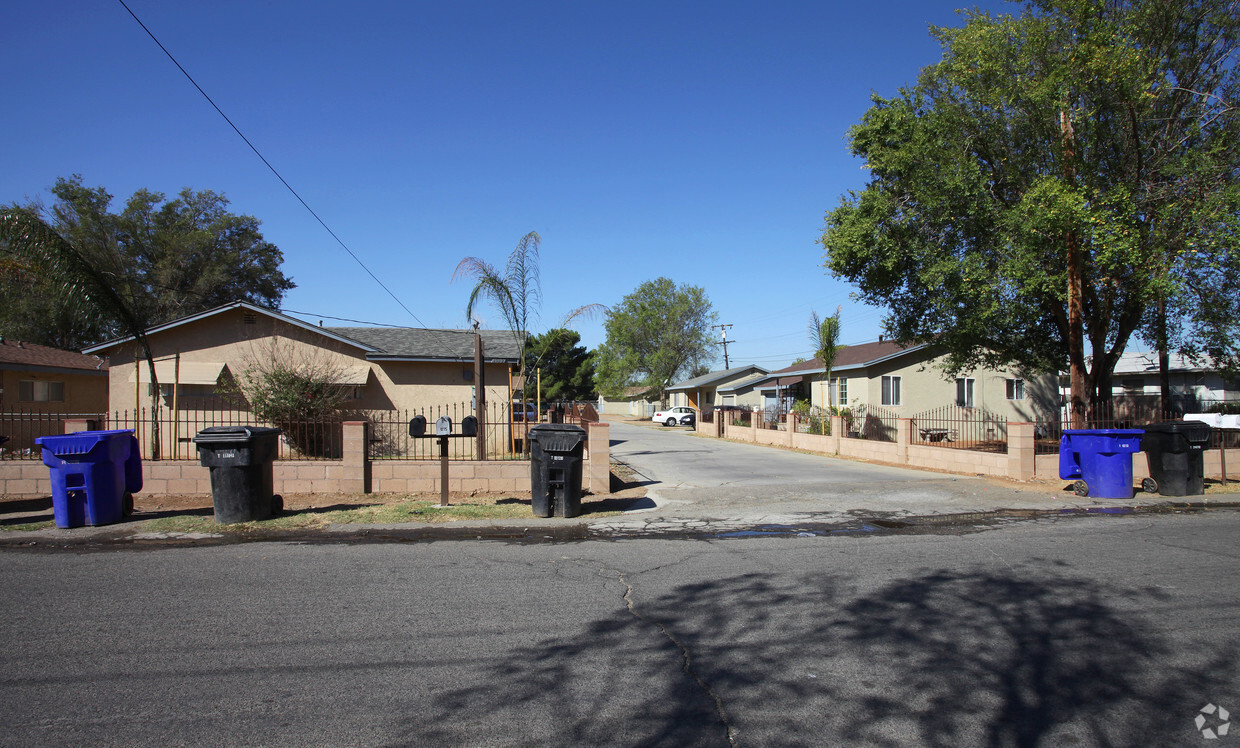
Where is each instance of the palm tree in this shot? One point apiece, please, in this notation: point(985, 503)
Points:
point(516, 293)
point(28, 237)
point(824, 335)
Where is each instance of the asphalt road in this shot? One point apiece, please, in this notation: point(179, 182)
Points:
point(1072, 631)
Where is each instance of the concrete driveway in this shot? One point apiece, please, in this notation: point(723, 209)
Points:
point(689, 475)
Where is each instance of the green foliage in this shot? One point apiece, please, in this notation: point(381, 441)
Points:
point(289, 388)
point(1109, 126)
point(567, 368)
point(657, 335)
point(516, 293)
point(164, 259)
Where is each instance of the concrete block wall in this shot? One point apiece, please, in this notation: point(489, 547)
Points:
point(354, 473)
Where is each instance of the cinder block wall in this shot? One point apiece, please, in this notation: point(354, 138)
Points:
point(355, 473)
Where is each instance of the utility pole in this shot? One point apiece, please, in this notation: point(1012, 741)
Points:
point(724, 329)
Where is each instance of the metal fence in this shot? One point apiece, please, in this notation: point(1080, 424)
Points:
point(872, 422)
point(302, 440)
point(960, 427)
point(506, 438)
point(19, 428)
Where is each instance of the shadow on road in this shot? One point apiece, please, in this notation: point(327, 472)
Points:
point(1040, 656)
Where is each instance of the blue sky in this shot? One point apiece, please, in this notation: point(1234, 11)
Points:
point(699, 141)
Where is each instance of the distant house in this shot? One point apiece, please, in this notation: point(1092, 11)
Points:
point(36, 377)
point(725, 387)
point(1194, 385)
point(908, 382)
point(386, 368)
point(632, 402)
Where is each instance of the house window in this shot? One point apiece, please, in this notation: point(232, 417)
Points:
point(964, 392)
point(891, 390)
point(838, 391)
point(41, 392)
point(1133, 386)
point(1015, 389)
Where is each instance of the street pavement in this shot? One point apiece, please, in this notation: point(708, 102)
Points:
point(1102, 630)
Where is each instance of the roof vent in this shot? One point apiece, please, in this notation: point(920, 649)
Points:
point(250, 318)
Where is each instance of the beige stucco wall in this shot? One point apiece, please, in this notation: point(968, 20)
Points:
point(84, 393)
point(228, 338)
point(924, 386)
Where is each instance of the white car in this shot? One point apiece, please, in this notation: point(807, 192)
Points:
point(672, 416)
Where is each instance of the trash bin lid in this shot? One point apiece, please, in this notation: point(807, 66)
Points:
point(557, 437)
point(1194, 431)
point(214, 434)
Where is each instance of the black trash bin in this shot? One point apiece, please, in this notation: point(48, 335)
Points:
point(555, 468)
point(1176, 453)
point(240, 459)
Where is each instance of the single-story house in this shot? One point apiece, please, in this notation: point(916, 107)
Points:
point(725, 387)
point(634, 401)
point(908, 381)
point(388, 368)
point(49, 380)
point(1195, 384)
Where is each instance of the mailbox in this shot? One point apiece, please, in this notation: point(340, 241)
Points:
point(443, 426)
point(469, 426)
point(417, 426)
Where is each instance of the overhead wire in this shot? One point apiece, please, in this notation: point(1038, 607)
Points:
point(274, 171)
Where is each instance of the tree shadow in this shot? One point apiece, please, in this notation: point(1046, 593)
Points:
point(945, 658)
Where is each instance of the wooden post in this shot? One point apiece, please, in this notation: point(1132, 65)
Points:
point(480, 398)
point(444, 500)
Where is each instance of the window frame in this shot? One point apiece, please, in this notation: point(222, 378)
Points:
point(28, 391)
point(966, 392)
point(1014, 388)
point(890, 386)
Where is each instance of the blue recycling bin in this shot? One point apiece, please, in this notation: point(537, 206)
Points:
point(94, 474)
point(1101, 460)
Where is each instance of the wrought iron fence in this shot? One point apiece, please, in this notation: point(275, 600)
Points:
point(866, 421)
point(960, 427)
point(19, 428)
point(302, 440)
point(505, 438)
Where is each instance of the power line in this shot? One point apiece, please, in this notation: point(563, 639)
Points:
point(262, 158)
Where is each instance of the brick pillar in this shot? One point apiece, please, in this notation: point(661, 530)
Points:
point(356, 458)
point(837, 432)
point(904, 436)
point(792, 428)
point(74, 425)
point(717, 423)
point(1021, 451)
point(598, 465)
point(753, 424)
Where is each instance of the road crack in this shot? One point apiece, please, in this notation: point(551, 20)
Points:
point(686, 658)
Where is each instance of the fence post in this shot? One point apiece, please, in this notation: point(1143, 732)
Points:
point(355, 458)
point(753, 424)
point(598, 466)
point(1021, 451)
point(837, 433)
point(792, 428)
point(904, 436)
point(74, 425)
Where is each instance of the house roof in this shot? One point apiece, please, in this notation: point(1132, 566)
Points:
point(377, 343)
point(418, 344)
point(714, 377)
point(1147, 363)
point(848, 358)
point(22, 356)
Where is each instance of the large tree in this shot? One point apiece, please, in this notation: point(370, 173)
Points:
point(657, 334)
point(165, 258)
point(1057, 183)
point(567, 368)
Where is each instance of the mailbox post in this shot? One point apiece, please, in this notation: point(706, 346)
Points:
point(443, 432)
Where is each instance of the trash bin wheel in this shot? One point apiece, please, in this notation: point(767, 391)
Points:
point(127, 504)
point(277, 505)
point(1080, 488)
point(1149, 485)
